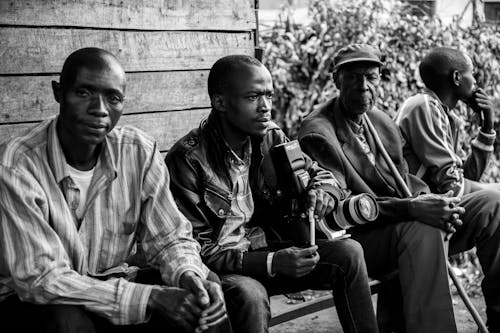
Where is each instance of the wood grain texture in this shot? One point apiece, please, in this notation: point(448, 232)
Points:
point(165, 127)
point(30, 98)
point(131, 14)
point(40, 50)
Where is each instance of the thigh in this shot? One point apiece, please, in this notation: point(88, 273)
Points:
point(480, 220)
point(379, 246)
point(21, 316)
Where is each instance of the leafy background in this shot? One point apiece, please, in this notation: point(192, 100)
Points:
point(300, 60)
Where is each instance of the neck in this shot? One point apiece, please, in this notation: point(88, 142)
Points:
point(355, 117)
point(447, 98)
point(80, 156)
point(234, 138)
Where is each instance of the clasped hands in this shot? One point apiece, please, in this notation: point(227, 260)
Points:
point(438, 210)
point(197, 306)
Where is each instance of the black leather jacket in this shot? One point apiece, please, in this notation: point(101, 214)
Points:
point(204, 195)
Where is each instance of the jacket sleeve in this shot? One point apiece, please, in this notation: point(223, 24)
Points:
point(188, 190)
point(425, 130)
point(328, 155)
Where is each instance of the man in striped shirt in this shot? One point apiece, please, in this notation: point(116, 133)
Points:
point(76, 197)
point(430, 129)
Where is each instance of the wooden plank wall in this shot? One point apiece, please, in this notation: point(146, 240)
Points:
point(166, 47)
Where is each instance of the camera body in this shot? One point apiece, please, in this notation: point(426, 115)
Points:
point(293, 180)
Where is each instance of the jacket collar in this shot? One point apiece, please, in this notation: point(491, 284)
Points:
point(374, 175)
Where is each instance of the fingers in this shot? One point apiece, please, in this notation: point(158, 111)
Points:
point(307, 252)
point(198, 289)
point(321, 202)
point(214, 318)
point(216, 297)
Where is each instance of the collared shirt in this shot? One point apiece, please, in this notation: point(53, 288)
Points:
point(45, 258)
point(359, 133)
point(233, 231)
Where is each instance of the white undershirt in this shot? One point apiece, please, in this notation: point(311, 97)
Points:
point(82, 181)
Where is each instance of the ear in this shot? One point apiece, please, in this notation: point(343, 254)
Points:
point(219, 102)
point(57, 90)
point(335, 77)
point(456, 78)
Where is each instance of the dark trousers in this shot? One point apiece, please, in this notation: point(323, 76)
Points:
point(23, 317)
point(416, 250)
point(481, 229)
point(341, 269)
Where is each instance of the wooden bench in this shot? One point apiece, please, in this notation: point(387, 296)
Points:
point(320, 303)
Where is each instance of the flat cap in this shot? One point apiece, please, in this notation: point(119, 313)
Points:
point(357, 53)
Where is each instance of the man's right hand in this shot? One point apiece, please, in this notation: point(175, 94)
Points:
point(438, 210)
point(177, 306)
point(294, 261)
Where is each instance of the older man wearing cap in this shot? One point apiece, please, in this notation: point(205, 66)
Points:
point(362, 147)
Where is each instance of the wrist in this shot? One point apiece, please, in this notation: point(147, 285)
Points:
point(186, 277)
point(269, 263)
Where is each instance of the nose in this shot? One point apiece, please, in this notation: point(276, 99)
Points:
point(98, 106)
point(265, 103)
point(363, 82)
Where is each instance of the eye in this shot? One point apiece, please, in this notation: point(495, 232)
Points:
point(252, 97)
point(115, 99)
point(270, 94)
point(81, 92)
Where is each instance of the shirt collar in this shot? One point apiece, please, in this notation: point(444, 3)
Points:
point(58, 162)
point(357, 129)
point(232, 157)
point(436, 97)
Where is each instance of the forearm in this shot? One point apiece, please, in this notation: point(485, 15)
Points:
point(477, 161)
point(393, 210)
point(234, 261)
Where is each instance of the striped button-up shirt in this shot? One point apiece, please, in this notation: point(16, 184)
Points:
point(48, 257)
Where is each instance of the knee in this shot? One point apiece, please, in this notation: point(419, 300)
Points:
point(245, 292)
point(346, 253)
point(68, 318)
point(489, 201)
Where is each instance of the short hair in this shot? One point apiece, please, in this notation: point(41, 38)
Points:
point(88, 57)
point(438, 65)
point(221, 71)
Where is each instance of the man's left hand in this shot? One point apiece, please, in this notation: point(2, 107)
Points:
point(321, 202)
point(210, 298)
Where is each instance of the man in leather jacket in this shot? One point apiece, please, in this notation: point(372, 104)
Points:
point(224, 181)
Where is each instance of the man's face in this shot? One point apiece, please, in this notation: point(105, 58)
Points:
point(467, 81)
point(91, 106)
point(358, 87)
point(248, 101)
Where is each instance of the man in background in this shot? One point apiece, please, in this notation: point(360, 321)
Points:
point(430, 128)
point(407, 235)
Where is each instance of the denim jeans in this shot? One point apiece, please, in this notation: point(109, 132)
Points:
point(341, 269)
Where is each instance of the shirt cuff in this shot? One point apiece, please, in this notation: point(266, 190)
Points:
point(135, 301)
point(485, 141)
point(269, 262)
point(201, 271)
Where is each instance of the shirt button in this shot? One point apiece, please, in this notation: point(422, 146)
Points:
point(221, 211)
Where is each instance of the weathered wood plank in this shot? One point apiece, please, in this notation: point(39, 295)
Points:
point(39, 50)
point(29, 98)
point(165, 127)
point(132, 14)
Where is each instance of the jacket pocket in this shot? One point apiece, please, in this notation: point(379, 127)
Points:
point(218, 203)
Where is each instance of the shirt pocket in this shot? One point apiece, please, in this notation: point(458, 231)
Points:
point(116, 245)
